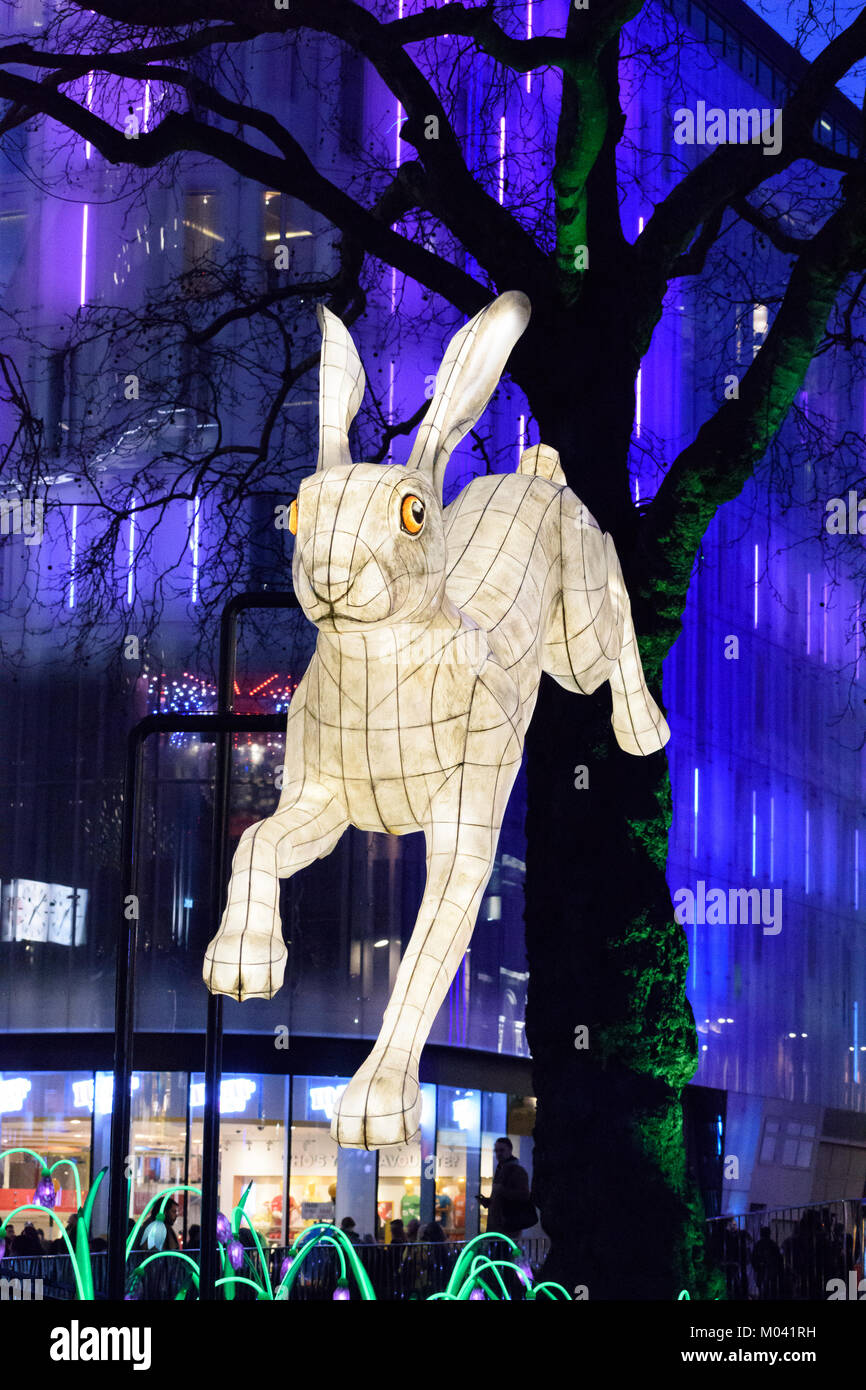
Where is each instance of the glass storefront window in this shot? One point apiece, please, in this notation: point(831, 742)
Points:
point(48, 1113)
point(68, 1115)
point(252, 1148)
point(158, 1143)
point(458, 1141)
point(494, 1117)
point(313, 1179)
point(398, 1195)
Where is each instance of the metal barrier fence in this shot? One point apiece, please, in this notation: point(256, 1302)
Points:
point(397, 1272)
point(806, 1247)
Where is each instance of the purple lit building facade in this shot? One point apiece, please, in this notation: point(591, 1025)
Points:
point(766, 772)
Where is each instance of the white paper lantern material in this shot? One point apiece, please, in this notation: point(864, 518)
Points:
point(434, 627)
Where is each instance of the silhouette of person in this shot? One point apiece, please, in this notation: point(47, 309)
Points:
point(509, 1202)
point(766, 1261)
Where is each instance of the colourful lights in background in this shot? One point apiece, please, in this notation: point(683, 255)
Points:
point(192, 694)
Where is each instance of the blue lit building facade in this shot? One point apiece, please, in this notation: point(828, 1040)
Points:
point(767, 776)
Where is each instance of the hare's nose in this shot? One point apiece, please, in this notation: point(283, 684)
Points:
point(328, 585)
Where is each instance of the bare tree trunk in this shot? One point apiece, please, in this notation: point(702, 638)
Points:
point(605, 954)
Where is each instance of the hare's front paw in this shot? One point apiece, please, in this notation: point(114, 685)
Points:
point(245, 961)
point(381, 1104)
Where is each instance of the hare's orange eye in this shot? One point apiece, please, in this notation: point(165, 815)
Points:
point(412, 512)
point(293, 516)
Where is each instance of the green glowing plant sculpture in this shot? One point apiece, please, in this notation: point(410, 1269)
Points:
point(82, 1268)
point(347, 1256)
point(475, 1274)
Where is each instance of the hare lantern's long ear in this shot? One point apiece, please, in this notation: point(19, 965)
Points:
point(469, 374)
point(341, 389)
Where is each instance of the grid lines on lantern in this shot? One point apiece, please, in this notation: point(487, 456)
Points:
point(434, 628)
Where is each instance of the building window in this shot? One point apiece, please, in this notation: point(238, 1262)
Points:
point(752, 328)
point(313, 1173)
point(284, 236)
point(458, 1145)
point(48, 1112)
point(13, 237)
point(202, 238)
point(252, 1149)
point(398, 1192)
point(788, 1144)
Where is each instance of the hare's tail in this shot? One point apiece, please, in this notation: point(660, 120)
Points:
point(638, 723)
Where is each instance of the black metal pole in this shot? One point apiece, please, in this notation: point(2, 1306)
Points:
point(225, 723)
point(219, 866)
point(124, 1020)
point(210, 1149)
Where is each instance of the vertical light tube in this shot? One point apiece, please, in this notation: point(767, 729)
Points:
point(826, 600)
point(146, 112)
point(501, 158)
point(808, 615)
point(856, 1043)
point(857, 638)
point(529, 36)
point(83, 285)
point(88, 101)
point(196, 514)
point(754, 833)
point(130, 559)
point(755, 605)
point(856, 870)
point(772, 837)
point(73, 551)
point(697, 804)
point(638, 391)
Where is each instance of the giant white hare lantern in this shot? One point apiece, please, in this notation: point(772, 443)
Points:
point(434, 628)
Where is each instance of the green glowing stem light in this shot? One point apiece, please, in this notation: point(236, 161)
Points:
point(468, 1253)
point(160, 1196)
point(74, 1167)
point(239, 1214)
point(327, 1235)
point(46, 1211)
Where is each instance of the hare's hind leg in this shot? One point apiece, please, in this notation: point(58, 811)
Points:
point(382, 1103)
point(247, 957)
